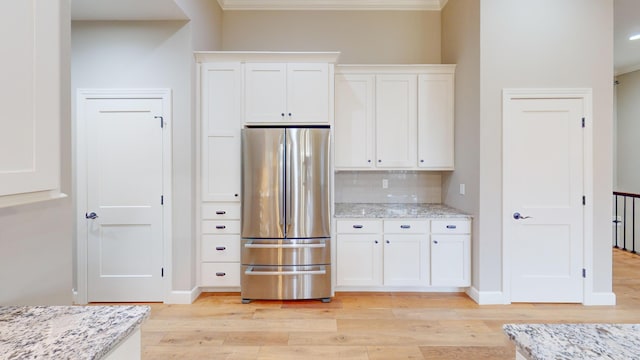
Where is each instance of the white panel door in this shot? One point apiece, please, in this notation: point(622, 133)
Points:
point(396, 121)
point(354, 123)
point(124, 189)
point(221, 124)
point(265, 92)
point(543, 192)
point(308, 93)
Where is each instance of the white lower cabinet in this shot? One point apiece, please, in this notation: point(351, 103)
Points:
point(413, 253)
point(220, 245)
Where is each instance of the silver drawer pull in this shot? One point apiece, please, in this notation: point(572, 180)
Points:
point(221, 248)
point(451, 226)
point(220, 227)
point(221, 274)
point(220, 212)
point(284, 246)
point(250, 271)
point(357, 226)
point(405, 226)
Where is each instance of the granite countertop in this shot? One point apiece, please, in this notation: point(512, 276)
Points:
point(576, 341)
point(66, 332)
point(364, 210)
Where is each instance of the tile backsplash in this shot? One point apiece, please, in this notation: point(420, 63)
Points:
point(403, 187)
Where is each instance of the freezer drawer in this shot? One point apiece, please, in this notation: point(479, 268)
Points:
point(286, 282)
point(286, 251)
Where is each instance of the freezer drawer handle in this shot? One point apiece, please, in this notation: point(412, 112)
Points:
point(220, 212)
point(405, 226)
point(451, 226)
point(357, 226)
point(284, 246)
point(221, 248)
point(220, 227)
point(221, 274)
point(250, 271)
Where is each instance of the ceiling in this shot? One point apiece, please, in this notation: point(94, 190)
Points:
point(626, 15)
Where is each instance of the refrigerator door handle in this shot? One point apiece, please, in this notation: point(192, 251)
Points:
point(251, 271)
point(288, 162)
point(284, 246)
point(281, 181)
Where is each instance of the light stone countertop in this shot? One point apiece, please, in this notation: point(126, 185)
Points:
point(576, 341)
point(66, 332)
point(365, 210)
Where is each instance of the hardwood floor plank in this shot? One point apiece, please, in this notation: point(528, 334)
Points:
point(367, 325)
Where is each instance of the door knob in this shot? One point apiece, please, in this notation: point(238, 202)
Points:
point(91, 215)
point(517, 216)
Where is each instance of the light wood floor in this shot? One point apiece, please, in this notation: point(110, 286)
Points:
point(366, 325)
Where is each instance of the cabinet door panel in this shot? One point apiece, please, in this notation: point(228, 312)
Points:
point(405, 260)
point(354, 123)
point(307, 93)
point(450, 260)
point(221, 168)
point(396, 121)
point(359, 260)
point(435, 121)
point(265, 92)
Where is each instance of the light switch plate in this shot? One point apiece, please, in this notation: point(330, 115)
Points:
point(462, 189)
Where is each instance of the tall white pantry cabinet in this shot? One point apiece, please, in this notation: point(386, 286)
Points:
point(237, 89)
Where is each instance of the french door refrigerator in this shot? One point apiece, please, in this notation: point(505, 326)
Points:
point(285, 214)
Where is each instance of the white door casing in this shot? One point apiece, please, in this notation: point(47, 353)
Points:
point(124, 176)
point(546, 150)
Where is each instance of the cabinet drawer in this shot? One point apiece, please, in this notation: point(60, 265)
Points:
point(450, 226)
point(406, 226)
point(215, 211)
point(220, 274)
point(359, 226)
point(222, 248)
point(221, 227)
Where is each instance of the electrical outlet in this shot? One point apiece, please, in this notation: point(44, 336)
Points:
point(385, 183)
point(462, 189)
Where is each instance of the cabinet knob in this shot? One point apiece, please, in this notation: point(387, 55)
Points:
point(421, 160)
point(379, 161)
point(220, 227)
point(236, 195)
point(435, 241)
point(388, 242)
point(369, 161)
point(375, 241)
point(289, 114)
point(282, 114)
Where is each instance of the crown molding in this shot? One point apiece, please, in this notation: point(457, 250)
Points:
point(405, 5)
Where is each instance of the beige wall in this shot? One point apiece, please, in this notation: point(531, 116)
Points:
point(205, 22)
point(628, 131)
point(544, 44)
point(461, 46)
point(401, 37)
point(36, 240)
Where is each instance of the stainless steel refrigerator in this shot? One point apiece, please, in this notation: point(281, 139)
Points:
point(286, 226)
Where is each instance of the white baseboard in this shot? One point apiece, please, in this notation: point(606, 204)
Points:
point(486, 297)
point(604, 298)
point(183, 297)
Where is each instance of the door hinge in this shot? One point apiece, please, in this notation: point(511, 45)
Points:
point(161, 272)
point(161, 199)
point(584, 273)
point(161, 120)
point(584, 200)
point(583, 122)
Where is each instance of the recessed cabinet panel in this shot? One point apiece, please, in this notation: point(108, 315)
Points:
point(405, 260)
point(265, 93)
point(308, 93)
point(450, 260)
point(435, 121)
point(221, 172)
point(354, 122)
point(359, 260)
point(396, 116)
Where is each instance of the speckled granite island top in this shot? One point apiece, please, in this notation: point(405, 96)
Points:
point(576, 341)
point(66, 332)
point(363, 210)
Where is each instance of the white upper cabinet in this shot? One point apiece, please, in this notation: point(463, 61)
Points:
point(287, 92)
point(435, 121)
point(220, 101)
point(394, 117)
point(31, 101)
point(354, 127)
point(396, 121)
